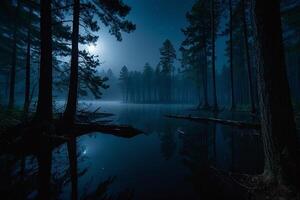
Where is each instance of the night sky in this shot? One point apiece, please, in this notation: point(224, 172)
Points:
point(156, 21)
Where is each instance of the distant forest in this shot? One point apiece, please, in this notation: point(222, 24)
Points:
point(197, 80)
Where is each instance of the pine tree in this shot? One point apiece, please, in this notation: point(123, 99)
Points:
point(167, 58)
point(70, 112)
point(44, 105)
point(12, 83)
point(233, 106)
point(110, 14)
point(213, 54)
point(246, 43)
point(194, 47)
point(148, 82)
point(157, 84)
point(124, 81)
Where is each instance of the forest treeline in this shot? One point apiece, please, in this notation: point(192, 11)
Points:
point(160, 85)
point(149, 86)
point(197, 79)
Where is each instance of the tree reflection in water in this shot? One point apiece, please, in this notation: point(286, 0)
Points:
point(40, 176)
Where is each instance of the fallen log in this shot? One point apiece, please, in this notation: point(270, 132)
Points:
point(117, 130)
point(239, 124)
point(85, 128)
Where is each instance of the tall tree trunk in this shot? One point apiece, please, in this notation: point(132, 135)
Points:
point(204, 73)
point(277, 118)
point(44, 106)
point(205, 103)
point(27, 68)
point(231, 56)
point(126, 98)
point(200, 100)
point(246, 43)
point(213, 57)
point(12, 84)
point(70, 111)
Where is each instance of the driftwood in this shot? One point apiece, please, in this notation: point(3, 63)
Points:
point(239, 124)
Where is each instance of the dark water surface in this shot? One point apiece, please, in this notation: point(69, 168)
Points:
point(172, 159)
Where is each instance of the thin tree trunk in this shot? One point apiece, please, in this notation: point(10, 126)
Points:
point(27, 68)
point(277, 118)
point(126, 93)
point(12, 84)
point(205, 105)
point(70, 111)
point(205, 99)
point(213, 57)
point(231, 56)
point(199, 93)
point(246, 43)
point(44, 106)
point(6, 83)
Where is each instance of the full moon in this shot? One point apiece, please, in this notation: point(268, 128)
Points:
point(91, 48)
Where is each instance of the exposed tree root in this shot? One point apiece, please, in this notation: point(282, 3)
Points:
point(274, 191)
point(257, 186)
point(248, 182)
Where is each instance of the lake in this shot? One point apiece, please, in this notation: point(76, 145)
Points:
point(171, 159)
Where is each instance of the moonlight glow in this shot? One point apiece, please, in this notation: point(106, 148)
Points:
point(91, 48)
